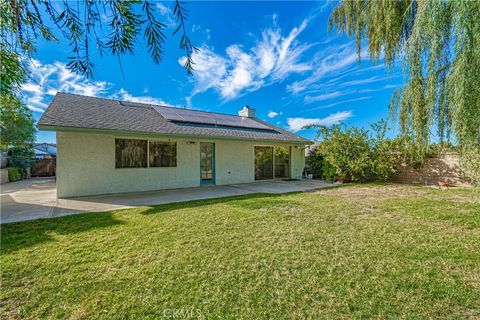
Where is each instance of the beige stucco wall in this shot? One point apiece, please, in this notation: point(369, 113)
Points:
point(441, 167)
point(86, 165)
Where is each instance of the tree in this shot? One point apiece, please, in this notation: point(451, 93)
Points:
point(439, 42)
point(17, 127)
point(16, 124)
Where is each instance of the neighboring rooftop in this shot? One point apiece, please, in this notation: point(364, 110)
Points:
point(75, 111)
point(46, 148)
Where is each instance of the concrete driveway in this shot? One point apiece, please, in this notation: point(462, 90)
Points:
point(36, 198)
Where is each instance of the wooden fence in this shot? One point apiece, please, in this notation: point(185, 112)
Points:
point(44, 168)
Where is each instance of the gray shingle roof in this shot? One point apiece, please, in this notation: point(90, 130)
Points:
point(75, 111)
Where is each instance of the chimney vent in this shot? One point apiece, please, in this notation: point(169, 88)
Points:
point(247, 112)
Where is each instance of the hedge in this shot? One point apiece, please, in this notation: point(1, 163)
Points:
point(14, 174)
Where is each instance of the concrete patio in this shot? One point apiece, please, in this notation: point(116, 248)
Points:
point(36, 198)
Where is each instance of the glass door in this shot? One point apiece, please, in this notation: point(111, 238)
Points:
point(207, 163)
point(282, 162)
point(263, 163)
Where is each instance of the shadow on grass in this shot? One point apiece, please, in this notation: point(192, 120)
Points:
point(21, 235)
point(26, 234)
point(243, 201)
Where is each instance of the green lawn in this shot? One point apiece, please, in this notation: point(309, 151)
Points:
point(350, 252)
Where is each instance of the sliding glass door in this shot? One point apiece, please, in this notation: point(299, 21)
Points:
point(263, 163)
point(272, 162)
point(282, 162)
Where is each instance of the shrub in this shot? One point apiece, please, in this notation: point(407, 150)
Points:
point(21, 157)
point(14, 174)
point(354, 154)
point(346, 150)
point(385, 159)
point(314, 163)
point(328, 171)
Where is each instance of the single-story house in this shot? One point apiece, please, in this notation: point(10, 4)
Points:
point(45, 150)
point(109, 146)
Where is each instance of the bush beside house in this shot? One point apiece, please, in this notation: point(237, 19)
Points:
point(354, 154)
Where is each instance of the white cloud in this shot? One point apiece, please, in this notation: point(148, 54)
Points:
point(322, 97)
point(271, 59)
point(195, 28)
point(48, 79)
point(297, 124)
point(327, 62)
point(273, 114)
point(339, 102)
point(242, 76)
point(124, 95)
point(385, 87)
point(167, 15)
point(210, 69)
point(360, 82)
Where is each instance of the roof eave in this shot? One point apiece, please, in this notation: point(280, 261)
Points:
point(48, 127)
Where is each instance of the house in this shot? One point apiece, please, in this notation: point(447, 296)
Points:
point(109, 146)
point(45, 150)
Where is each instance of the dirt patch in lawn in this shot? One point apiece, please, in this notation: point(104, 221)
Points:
point(370, 193)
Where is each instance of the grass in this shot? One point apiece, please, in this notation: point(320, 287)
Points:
point(367, 251)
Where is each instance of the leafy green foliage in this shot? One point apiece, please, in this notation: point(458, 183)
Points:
point(21, 157)
point(315, 163)
point(353, 154)
point(347, 151)
point(12, 72)
point(16, 120)
point(14, 174)
point(16, 123)
point(439, 42)
point(328, 171)
point(470, 163)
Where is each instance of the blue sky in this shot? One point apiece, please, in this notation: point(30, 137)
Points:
point(276, 57)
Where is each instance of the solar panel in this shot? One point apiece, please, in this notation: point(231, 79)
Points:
point(193, 116)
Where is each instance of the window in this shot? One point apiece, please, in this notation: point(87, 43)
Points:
point(162, 154)
point(130, 153)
